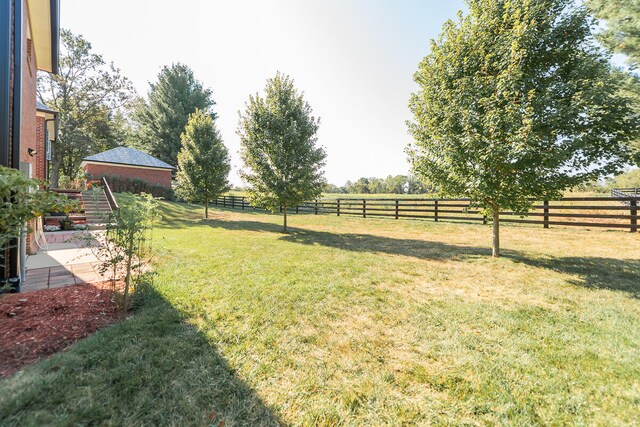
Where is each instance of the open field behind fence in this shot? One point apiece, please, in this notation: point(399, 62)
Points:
point(602, 211)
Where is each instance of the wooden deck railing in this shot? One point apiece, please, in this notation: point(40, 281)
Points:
point(107, 191)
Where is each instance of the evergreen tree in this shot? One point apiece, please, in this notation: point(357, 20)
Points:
point(621, 34)
point(517, 101)
point(163, 116)
point(622, 30)
point(278, 147)
point(203, 163)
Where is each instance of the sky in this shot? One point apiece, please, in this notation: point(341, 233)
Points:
point(353, 59)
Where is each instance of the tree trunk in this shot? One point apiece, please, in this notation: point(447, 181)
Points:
point(284, 228)
point(206, 209)
point(496, 231)
point(54, 174)
point(127, 279)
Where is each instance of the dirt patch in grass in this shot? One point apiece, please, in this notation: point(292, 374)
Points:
point(37, 324)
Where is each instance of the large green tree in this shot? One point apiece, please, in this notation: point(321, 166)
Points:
point(203, 162)
point(517, 101)
point(89, 95)
point(283, 164)
point(161, 118)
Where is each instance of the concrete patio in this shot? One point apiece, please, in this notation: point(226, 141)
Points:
point(66, 260)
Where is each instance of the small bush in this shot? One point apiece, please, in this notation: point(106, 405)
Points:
point(120, 184)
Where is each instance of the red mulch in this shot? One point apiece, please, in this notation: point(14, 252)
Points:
point(34, 325)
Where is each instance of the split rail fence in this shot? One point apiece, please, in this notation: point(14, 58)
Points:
point(620, 212)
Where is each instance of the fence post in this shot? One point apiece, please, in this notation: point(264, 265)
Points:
point(364, 208)
point(633, 204)
point(396, 208)
point(233, 202)
point(224, 201)
point(546, 213)
point(435, 211)
point(216, 201)
point(316, 210)
point(338, 209)
point(296, 208)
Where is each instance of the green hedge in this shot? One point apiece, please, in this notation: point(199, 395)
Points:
point(136, 186)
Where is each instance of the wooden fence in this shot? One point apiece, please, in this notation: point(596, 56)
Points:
point(606, 212)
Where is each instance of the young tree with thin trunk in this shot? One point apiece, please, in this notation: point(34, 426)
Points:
point(517, 102)
point(203, 162)
point(283, 164)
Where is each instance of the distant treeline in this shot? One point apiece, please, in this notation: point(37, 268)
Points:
point(398, 184)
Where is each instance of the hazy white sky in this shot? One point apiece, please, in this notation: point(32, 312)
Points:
point(354, 60)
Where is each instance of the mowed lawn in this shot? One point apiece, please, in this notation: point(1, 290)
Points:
point(351, 321)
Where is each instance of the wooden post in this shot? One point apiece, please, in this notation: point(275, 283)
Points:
point(242, 200)
point(316, 203)
point(224, 201)
point(233, 202)
point(435, 210)
point(546, 213)
point(296, 208)
point(216, 201)
point(364, 208)
point(396, 208)
point(633, 204)
point(338, 206)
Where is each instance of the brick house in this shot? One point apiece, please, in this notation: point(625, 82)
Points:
point(29, 41)
point(126, 162)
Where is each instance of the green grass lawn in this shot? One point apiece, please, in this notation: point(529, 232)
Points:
point(351, 321)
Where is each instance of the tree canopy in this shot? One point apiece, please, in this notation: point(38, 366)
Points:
point(517, 101)
point(89, 95)
point(160, 119)
point(203, 162)
point(620, 32)
point(283, 164)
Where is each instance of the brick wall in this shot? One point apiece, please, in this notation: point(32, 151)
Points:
point(152, 176)
point(41, 157)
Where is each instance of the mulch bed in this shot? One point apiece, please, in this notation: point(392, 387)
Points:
point(34, 325)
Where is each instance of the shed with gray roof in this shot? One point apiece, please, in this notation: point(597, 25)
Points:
point(126, 162)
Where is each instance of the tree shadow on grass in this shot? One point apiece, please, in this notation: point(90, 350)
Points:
point(151, 369)
point(357, 242)
point(593, 272)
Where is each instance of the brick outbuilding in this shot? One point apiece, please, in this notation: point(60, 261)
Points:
point(126, 162)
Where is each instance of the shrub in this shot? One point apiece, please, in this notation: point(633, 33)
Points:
point(120, 184)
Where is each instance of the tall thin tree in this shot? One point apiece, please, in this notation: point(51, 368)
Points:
point(203, 162)
point(283, 164)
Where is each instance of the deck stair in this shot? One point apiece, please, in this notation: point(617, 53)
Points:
point(96, 208)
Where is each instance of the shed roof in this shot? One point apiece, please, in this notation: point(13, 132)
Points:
point(128, 156)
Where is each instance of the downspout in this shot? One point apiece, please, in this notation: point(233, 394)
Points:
point(47, 145)
point(54, 9)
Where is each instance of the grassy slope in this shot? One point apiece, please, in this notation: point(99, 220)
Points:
point(358, 321)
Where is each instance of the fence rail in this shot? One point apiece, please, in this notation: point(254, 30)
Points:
point(618, 212)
